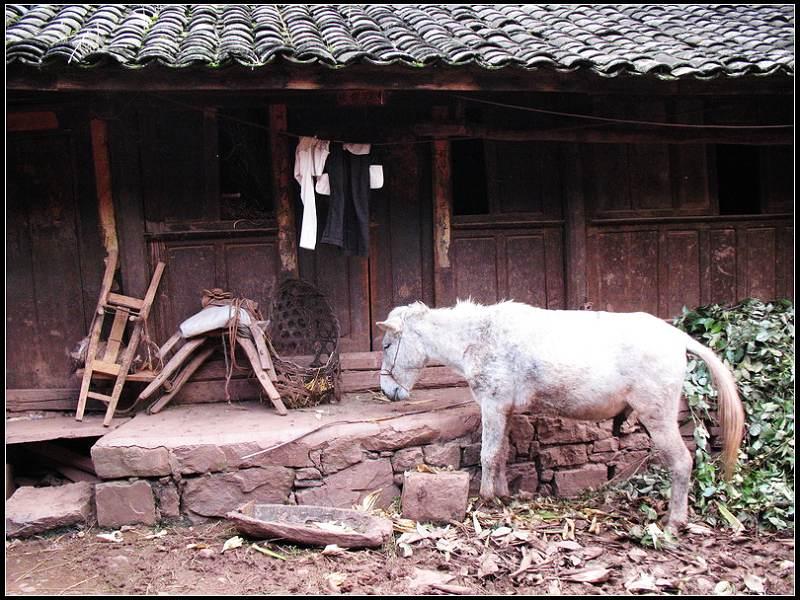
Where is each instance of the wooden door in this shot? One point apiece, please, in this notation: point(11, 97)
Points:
point(46, 312)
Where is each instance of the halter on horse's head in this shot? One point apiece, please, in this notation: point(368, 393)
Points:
point(404, 354)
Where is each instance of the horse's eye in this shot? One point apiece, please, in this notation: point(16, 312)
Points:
point(386, 345)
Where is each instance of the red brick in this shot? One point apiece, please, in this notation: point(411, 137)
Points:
point(435, 497)
point(576, 481)
point(123, 503)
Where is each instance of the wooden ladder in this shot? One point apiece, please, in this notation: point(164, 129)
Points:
point(125, 309)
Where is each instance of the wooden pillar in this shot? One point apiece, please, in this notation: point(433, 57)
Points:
point(281, 186)
point(443, 287)
point(575, 230)
point(102, 176)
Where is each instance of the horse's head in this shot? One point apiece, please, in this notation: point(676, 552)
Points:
point(404, 351)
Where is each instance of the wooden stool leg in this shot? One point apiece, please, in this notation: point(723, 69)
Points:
point(173, 365)
point(184, 376)
point(252, 354)
point(87, 370)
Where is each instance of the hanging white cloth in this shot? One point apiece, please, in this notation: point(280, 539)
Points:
point(309, 162)
point(357, 149)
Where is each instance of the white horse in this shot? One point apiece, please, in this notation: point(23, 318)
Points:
point(578, 364)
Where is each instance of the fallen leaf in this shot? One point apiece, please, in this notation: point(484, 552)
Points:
point(333, 550)
point(488, 566)
point(231, 543)
point(410, 537)
point(424, 578)
point(335, 581)
point(591, 575)
point(198, 546)
point(525, 563)
point(568, 545)
point(735, 523)
point(592, 552)
point(754, 583)
point(476, 525)
point(637, 555)
point(267, 552)
point(369, 501)
point(501, 531)
point(698, 529)
point(333, 527)
point(724, 588)
point(405, 550)
point(114, 536)
point(156, 535)
point(644, 582)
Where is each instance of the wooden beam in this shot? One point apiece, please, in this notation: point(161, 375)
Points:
point(102, 175)
point(442, 218)
point(614, 134)
point(31, 121)
point(373, 77)
point(281, 186)
point(575, 229)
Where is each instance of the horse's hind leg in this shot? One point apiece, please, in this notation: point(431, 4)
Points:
point(494, 449)
point(667, 441)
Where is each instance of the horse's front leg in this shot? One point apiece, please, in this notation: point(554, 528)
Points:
point(494, 448)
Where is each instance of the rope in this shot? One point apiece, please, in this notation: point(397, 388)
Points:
point(219, 297)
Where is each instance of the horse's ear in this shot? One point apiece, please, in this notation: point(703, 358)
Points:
point(388, 326)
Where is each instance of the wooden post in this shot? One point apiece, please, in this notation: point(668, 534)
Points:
point(281, 187)
point(575, 229)
point(102, 175)
point(442, 216)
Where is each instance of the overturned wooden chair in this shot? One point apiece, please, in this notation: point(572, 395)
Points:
point(127, 311)
point(195, 350)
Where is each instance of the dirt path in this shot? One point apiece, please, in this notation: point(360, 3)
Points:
point(519, 550)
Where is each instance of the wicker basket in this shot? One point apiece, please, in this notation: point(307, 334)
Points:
point(302, 323)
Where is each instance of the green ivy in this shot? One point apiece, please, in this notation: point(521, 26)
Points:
point(756, 339)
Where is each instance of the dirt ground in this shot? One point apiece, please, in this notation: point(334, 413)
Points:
point(537, 547)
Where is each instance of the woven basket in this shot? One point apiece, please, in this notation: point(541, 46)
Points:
point(302, 323)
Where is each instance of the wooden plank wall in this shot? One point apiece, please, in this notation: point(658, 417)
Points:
point(661, 267)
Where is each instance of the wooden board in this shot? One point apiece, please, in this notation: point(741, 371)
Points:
point(24, 429)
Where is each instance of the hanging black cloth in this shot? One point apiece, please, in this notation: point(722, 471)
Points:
point(348, 214)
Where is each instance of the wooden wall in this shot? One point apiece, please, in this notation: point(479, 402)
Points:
point(624, 226)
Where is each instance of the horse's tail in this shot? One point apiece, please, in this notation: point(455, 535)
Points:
point(731, 411)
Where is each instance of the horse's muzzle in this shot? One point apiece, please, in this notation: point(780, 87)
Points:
point(391, 390)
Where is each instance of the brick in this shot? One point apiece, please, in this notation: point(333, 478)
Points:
point(558, 430)
point(634, 441)
point(130, 461)
point(340, 454)
point(442, 455)
point(406, 459)
point(32, 510)
point(435, 497)
point(574, 482)
point(561, 456)
point(124, 503)
point(607, 445)
point(217, 494)
point(521, 433)
point(471, 455)
point(168, 500)
point(523, 477)
point(350, 486)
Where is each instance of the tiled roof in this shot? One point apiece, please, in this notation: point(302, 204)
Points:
point(665, 41)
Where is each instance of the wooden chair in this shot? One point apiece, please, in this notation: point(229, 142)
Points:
point(126, 310)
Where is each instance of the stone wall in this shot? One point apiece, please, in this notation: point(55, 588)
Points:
point(341, 464)
point(547, 457)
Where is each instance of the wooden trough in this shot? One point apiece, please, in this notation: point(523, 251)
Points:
point(312, 525)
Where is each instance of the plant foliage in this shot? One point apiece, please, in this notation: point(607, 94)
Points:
point(755, 339)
